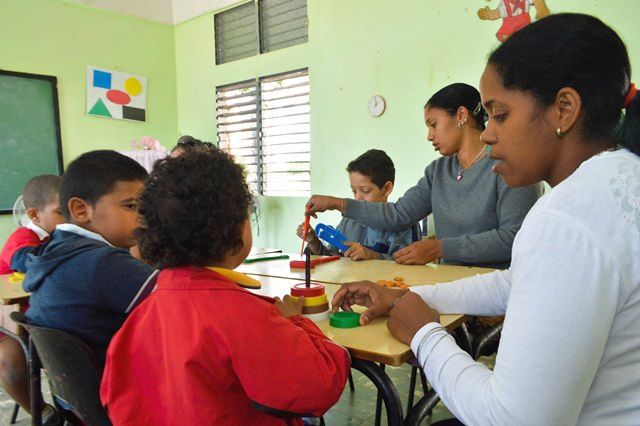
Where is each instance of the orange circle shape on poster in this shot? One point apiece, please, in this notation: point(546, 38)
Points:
point(133, 86)
point(118, 97)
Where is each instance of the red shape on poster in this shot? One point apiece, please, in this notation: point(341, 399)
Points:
point(118, 97)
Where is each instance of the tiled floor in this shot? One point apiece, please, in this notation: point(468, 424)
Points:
point(354, 408)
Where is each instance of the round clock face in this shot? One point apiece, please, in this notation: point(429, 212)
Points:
point(376, 106)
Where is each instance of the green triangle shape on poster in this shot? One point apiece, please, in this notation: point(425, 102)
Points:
point(100, 109)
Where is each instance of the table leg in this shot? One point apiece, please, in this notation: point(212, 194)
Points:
point(386, 388)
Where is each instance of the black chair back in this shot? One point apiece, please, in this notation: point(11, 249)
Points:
point(72, 371)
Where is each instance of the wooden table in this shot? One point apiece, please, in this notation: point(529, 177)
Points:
point(372, 342)
point(11, 291)
point(13, 299)
point(346, 270)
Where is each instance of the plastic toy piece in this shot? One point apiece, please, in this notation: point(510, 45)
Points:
point(314, 289)
point(330, 235)
point(344, 320)
point(305, 232)
point(300, 264)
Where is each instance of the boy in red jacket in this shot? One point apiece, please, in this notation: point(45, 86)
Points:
point(202, 349)
point(41, 198)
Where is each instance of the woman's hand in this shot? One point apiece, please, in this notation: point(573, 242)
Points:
point(409, 314)
point(357, 251)
point(322, 203)
point(419, 253)
point(378, 299)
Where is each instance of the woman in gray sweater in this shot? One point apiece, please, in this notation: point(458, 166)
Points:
point(476, 215)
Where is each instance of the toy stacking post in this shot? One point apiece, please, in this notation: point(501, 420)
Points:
point(307, 267)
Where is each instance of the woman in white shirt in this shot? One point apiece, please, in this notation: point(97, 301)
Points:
point(570, 347)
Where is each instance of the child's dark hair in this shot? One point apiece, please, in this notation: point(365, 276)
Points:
point(40, 191)
point(193, 209)
point(188, 143)
point(94, 174)
point(376, 165)
point(455, 95)
point(581, 52)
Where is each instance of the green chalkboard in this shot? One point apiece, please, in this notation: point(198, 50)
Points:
point(30, 142)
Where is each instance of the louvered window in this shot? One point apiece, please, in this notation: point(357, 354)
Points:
point(259, 27)
point(264, 123)
point(283, 23)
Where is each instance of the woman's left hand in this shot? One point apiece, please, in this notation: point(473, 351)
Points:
point(409, 314)
point(419, 253)
point(357, 251)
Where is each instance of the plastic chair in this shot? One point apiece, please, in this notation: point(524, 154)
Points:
point(72, 371)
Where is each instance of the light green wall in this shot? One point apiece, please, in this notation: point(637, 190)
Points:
point(403, 50)
point(60, 39)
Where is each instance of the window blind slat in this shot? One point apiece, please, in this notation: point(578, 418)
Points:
point(265, 125)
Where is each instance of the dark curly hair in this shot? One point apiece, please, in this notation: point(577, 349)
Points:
point(193, 209)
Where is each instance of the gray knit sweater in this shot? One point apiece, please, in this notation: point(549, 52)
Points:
point(476, 217)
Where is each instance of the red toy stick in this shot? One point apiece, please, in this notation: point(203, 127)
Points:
point(304, 233)
point(300, 264)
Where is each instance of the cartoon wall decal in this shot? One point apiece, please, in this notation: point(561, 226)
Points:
point(514, 14)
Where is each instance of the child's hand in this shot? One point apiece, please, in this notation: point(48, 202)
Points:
point(311, 234)
point(312, 240)
point(357, 251)
point(289, 307)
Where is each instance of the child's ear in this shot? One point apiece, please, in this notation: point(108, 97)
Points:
point(79, 210)
point(34, 215)
point(387, 188)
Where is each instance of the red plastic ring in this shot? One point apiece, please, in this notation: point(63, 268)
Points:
point(300, 289)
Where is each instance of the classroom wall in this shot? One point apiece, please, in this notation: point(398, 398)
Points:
point(56, 38)
point(403, 50)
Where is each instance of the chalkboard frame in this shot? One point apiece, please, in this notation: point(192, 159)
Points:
point(56, 112)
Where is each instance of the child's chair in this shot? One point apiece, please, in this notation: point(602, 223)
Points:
point(71, 369)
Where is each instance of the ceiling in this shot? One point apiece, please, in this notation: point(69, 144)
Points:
point(166, 11)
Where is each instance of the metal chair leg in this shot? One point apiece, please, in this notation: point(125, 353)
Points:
point(351, 385)
point(379, 403)
point(412, 387)
point(14, 414)
point(486, 338)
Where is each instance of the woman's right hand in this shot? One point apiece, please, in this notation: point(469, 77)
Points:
point(379, 300)
point(321, 203)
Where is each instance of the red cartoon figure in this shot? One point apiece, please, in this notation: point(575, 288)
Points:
point(514, 14)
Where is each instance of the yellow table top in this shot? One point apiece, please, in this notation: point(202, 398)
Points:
point(346, 270)
point(11, 291)
point(372, 342)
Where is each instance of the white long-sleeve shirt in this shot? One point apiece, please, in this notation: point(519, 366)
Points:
point(570, 346)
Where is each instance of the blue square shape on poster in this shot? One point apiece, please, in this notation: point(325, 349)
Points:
point(102, 79)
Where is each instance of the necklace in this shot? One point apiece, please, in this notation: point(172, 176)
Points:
point(463, 169)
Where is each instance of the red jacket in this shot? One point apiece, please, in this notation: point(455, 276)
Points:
point(19, 239)
point(203, 351)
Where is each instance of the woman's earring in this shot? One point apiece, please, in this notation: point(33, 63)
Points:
point(559, 132)
point(462, 123)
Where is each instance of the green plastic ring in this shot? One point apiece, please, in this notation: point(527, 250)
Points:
point(344, 320)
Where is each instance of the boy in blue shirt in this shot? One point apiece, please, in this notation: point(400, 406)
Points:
point(84, 281)
point(371, 176)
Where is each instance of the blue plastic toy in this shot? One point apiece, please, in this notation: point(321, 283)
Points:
point(330, 235)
